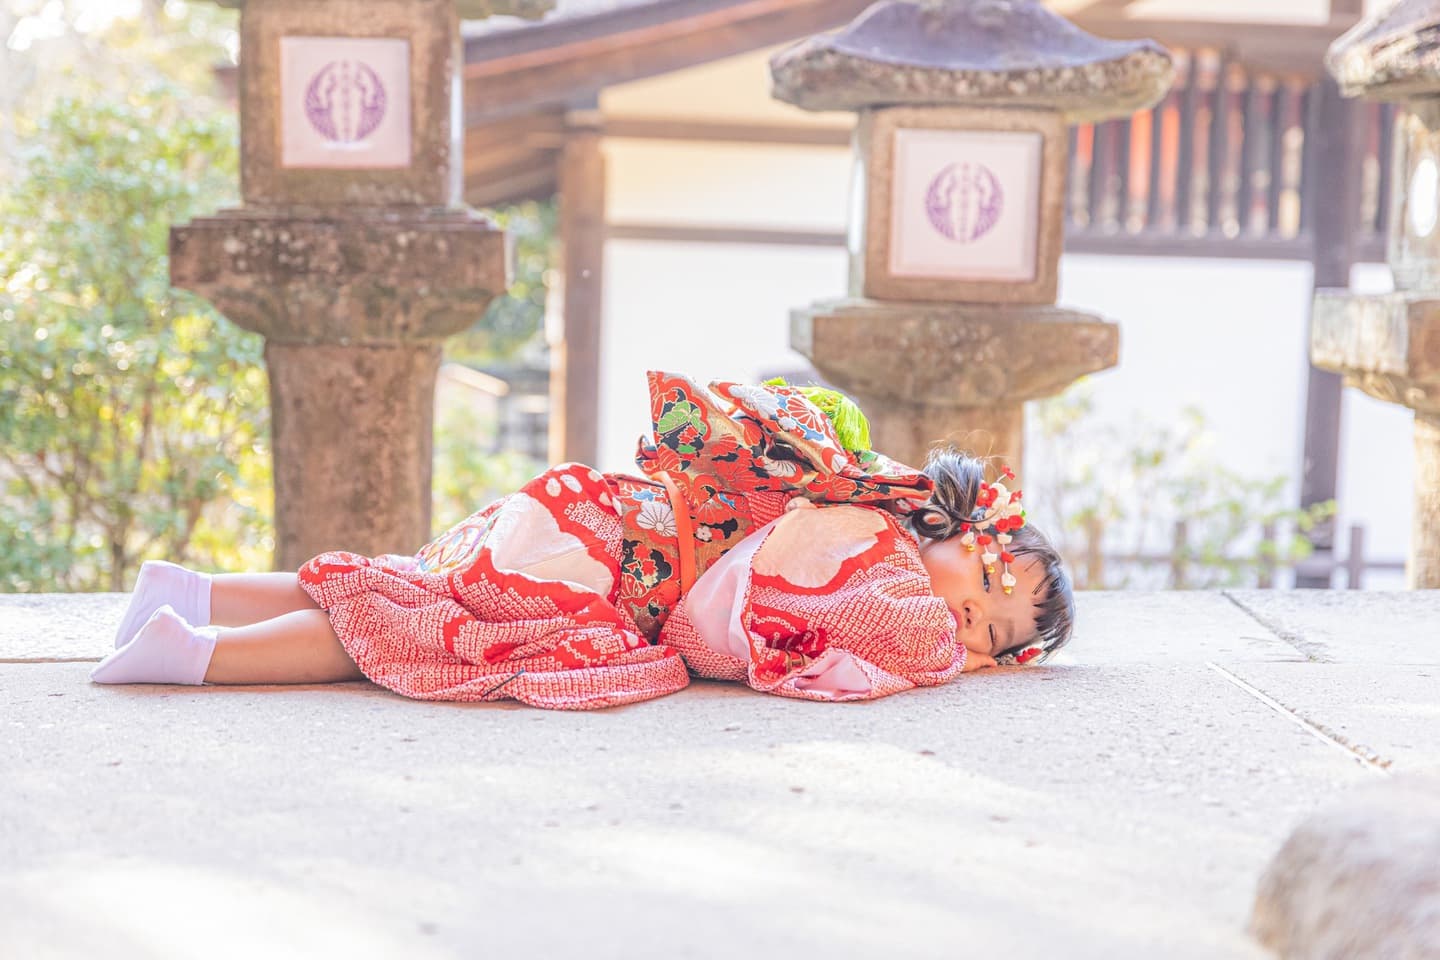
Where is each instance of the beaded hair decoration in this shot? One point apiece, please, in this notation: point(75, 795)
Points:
point(999, 512)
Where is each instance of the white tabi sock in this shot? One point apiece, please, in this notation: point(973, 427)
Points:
point(159, 584)
point(165, 650)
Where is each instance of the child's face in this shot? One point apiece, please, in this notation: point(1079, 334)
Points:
point(990, 622)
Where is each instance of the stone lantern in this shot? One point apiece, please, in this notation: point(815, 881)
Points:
point(957, 217)
point(353, 254)
point(1389, 345)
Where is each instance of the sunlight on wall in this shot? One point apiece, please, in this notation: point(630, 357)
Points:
point(793, 188)
point(709, 311)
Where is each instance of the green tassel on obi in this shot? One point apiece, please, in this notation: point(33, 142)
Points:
point(851, 427)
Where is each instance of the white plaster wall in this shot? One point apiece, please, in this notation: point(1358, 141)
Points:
point(1226, 336)
point(721, 184)
point(713, 312)
point(734, 89)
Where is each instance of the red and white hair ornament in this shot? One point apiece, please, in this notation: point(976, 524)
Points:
point(1034, 653)
point(999, 512)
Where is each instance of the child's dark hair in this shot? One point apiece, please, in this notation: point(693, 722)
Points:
point(957, 479)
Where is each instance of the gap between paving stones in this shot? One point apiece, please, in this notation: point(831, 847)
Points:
point(1369, 759)
point(1289, 638)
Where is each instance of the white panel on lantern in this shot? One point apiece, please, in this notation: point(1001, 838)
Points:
point(345, 102)
point(965, 204)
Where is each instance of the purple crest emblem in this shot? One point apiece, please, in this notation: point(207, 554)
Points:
point(964, 201)
point(345, 101)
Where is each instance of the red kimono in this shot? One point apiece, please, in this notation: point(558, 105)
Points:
point(571, 593)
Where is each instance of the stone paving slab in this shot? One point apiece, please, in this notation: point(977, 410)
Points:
point(1188, 626)
point(1390, 714)
point(42, 626)
point(1352, 626)
point(1122, 810)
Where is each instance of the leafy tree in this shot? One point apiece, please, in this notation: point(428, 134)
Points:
point(468, 474)
point(132, 418)
point(52, 49)
point(513, 321)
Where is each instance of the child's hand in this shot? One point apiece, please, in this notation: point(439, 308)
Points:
point(799, 503)
point(977, 661)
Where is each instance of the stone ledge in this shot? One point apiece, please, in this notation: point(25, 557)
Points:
point(976, 354)
point(42, 627)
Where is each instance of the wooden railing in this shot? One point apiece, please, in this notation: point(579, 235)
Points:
point(1223, 166)
point(1182, 563)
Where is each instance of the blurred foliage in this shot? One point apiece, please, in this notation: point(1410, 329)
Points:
point(469, 471)
point(468, 475)
point(516, 320)
point(132, 418)
point(55, 49)
point(1119, 492)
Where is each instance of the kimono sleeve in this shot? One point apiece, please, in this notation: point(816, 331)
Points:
point(822, 604)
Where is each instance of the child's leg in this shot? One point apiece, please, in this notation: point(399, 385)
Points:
point(298, 647)
point(240, 599)
point(224, 600)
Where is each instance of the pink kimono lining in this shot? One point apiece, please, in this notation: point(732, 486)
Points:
point(821, 604)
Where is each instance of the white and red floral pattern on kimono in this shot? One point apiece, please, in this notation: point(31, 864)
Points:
point(519, 600)
point(825, 603)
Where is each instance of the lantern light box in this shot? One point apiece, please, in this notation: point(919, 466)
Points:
point(959, 204)
point(342, 109)
point(345, 102)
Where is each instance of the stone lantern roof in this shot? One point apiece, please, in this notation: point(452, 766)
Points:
point(1391, 54)
point(1003, 53)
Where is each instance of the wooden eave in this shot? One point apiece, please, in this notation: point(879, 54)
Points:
point(1295, 49)
point(520, 83)
point(570, 60)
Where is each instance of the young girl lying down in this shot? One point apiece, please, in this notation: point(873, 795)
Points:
point(766, 544)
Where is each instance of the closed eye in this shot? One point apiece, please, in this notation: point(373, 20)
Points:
point(994, 642)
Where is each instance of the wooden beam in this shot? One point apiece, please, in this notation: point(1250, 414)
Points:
point(513, 159)
point(1162, 243)
point(575, 370)
point(1145, 243)
point(1297, 48)
point(537, 183)
point(547, 126)
point(501, 163)
point(696, 233)
point(709, 131)
point(513, 71)
point(1333, 140)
